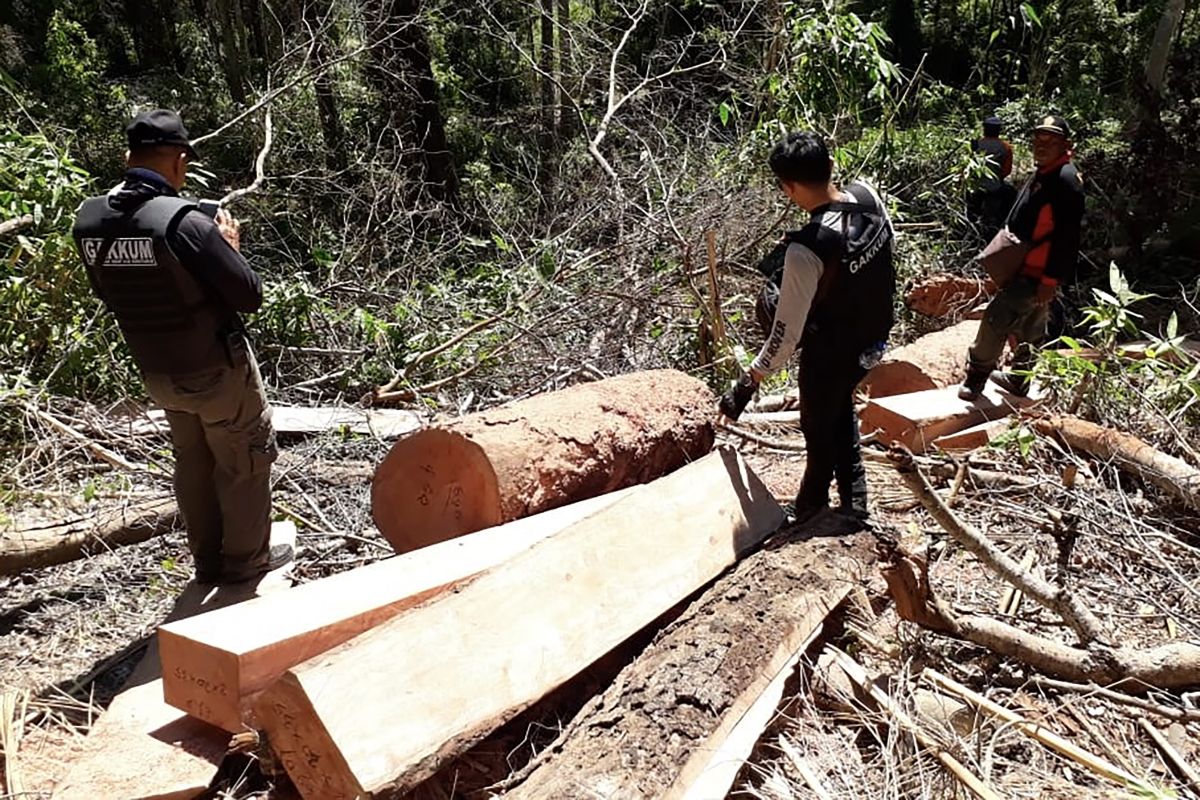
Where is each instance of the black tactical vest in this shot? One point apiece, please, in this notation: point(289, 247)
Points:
point(169, 322)
point(853, 304)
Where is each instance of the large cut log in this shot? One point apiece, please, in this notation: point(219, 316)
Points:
point(365, 721)
point(651, 734)
point(916, 420)
point(33, 548)
point(537, 454)
point(945, 294)
point(1171, 474)
point(143, 749)
point(215, 664)
point(933, 361)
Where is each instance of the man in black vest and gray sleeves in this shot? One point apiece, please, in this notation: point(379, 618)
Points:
point(835, 285)
point(172, 276)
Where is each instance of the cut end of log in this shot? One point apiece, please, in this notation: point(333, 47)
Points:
point(433, 486)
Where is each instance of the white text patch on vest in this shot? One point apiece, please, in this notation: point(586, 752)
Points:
point(123, 253)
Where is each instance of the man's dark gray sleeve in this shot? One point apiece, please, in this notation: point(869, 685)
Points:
point(203, 251)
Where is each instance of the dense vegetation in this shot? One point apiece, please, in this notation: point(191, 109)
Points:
point(539, 176)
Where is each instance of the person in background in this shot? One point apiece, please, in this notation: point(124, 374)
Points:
point(990, 203)
point(175, 280)
point(1048, 219)
point(832, 298)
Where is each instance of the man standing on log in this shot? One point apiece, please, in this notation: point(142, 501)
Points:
point(1047, 219)
point(174, 278)
point(832, 298)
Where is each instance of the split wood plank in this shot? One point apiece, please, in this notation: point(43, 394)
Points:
point(143, 749)
point(916, 420)
point(972, 438)
point(382, 423)
point(214, 664)
point(670, 708)
point(360, 721)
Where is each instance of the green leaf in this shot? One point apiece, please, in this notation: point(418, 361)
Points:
point(995, 35)
point(1030, 15)
point(1172, 326)
point(723, 112)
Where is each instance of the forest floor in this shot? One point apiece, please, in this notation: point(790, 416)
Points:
point(69, 635)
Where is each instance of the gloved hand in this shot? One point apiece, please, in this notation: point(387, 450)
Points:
point(734, 401)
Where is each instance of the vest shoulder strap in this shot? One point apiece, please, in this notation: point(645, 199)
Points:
point(158, 213)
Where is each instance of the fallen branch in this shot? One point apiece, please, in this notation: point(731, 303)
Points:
point(17, 223)
point(1177, 714)
point(99, 450)
point(1173, 475)
point(1055, 598)
point(1168, 666)
point(33, 548)
point(1033, 730)
point(964, 776)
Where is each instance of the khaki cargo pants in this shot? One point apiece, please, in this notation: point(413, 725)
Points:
point(224, 446)
point(1013, 312)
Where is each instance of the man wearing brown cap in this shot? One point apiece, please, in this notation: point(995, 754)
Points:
point(174, 278)
point(1047, 219)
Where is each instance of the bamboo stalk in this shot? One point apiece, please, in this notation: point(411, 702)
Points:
point(714, 292)
point(964, 776)
point(1036, 731)
point(1173, 756)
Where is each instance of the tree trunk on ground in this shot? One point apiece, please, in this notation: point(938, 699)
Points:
point(539, 453)
point(634, 740)
point(58, 544)
point(1173, 475)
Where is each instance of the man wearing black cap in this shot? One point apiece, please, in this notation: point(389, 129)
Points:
point(1047, 219)
point(991, 202)
point(175, 281)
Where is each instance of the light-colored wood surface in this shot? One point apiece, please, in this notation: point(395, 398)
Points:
point(214, 664)
point(143, 749)
point(383, 711)
point(710, 772)
point(916, 420)
point(383, 423)
point(979, 435)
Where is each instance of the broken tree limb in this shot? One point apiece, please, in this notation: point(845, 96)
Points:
point(368, 719)
point(955, 767)
point(15, 224)
point(215, 664)
point(1169, 712)
point(1167, 666)
point(33, 548)
point(1033, 730)
point(1055, 598)
point(1173, 475)
point(666, 711)
point(536, 454)
point(1172, 756)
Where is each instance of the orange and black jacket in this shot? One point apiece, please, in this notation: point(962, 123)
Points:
point(1048, 216)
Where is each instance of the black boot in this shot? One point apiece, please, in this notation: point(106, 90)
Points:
point(975, 381)
point(1016, 381)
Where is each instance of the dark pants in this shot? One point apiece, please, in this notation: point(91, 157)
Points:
point(1012, 312)
point(224, 446)
point(828, 377)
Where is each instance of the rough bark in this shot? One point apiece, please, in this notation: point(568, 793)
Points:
point(1160, 48)
point(634, 739)
point(1173, 475)
point(33, 548)
point(538, 454)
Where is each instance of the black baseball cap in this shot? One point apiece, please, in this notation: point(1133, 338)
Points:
point(160, 126)
point(1052, 123)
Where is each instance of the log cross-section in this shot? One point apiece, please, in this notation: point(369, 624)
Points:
point(540, 453)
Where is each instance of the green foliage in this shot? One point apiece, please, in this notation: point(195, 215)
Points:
point(52, 329)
